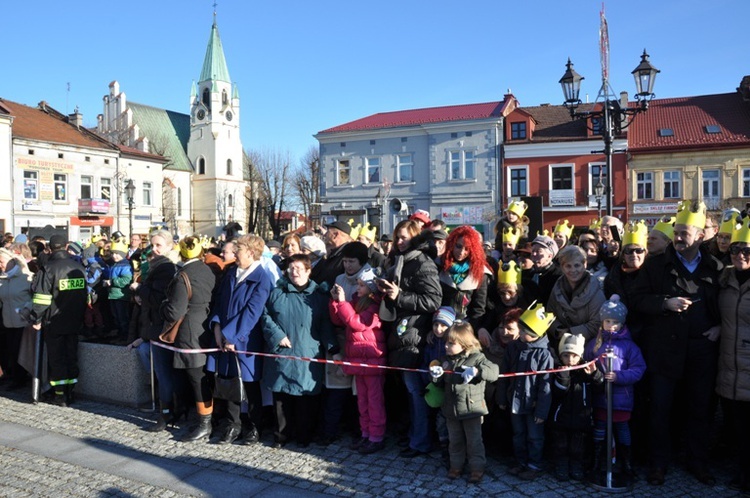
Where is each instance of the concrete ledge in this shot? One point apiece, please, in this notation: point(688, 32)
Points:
point(112, 374)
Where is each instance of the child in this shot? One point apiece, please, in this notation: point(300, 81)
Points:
point(571, 409)
point(365, 343)
point(435, 350)
point(628, 367)
point(464, 404)
point(120, 278)
point(529, 396)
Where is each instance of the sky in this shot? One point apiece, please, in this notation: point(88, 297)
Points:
point(303, 66)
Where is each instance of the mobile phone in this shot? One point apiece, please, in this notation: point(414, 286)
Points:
point(615, 233)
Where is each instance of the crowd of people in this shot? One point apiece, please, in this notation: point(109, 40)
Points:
point(420, 334)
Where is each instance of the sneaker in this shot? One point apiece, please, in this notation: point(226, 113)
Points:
point(371, 447)
point(529, 474)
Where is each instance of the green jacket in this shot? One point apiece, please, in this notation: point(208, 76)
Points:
point(464, 401)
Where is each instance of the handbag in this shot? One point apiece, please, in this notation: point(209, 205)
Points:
point(169, 332)
point(230, 388)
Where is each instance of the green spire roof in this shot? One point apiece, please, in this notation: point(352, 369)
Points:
point(214, 64)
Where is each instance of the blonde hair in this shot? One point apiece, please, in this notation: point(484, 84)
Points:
point(462, 333)
point(253, 243)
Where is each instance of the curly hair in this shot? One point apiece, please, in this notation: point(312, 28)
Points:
point(473, 244)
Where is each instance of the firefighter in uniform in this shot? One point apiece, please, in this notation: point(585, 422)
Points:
point(59, 302)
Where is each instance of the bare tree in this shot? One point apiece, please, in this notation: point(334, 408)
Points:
point(306, 184)
point(272, 169)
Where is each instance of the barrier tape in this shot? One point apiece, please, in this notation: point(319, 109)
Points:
point(365, 365)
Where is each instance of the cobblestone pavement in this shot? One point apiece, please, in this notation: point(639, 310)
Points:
point(96, 449)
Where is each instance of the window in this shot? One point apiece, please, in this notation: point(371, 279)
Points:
point(403, 139)
point(179, 201)
point(597, 125)
point(229, 166)
point(147, 193)
point(224, 97)
point(342, 173)
point(60, 155)
point(711, 188)
point(372, 166)
point(469, 133)
point(206, 98)
point(714, 128)
point(31, 152)
point(61, 187)
point(518, 181)
point(106, 161)
point(372, 142)
point(405, 168)
point(462, 165)
point(30, 185)
point(746, 182)
point(672, 185)
point(106, 189)
point(645, 185)
point(87, 159)
point(230, 201)
point(87, 187)
point(201, 166)
point(597, 172)
point(666, 132)
point(454, 135)
point(518, 130)
point(562, 177)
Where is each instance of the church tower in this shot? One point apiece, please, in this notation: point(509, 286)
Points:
point(214, 147)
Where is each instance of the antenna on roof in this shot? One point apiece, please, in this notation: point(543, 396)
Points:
point(67, 97)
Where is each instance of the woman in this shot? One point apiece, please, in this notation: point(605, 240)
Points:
point(149, 294)
point(464, 276)
point(575, 299)
point(594, 264)
point(289, 247)
point(411, 294)
point(622, 275)
point(733, 380)
point(192, 303)
point(296, 323)
point(236, 326)
point(15, 294)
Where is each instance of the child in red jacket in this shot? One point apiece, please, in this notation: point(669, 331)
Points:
point(365, 343)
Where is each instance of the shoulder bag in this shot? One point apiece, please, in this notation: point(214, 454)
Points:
point(230, 388)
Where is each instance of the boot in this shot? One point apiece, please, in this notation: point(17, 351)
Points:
point(69, 397)
point(166, 418)
point(600, 457)
point(202, 432)
point(624, 463)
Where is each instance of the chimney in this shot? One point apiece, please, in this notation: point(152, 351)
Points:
point(76, 119)
point(744, 88)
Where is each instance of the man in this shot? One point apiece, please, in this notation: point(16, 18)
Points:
point(386, 243)
point(676, 295)
point(134, 251)
point(227, 253)
point(59, 302)
point(545, 272)
point(337, 236)
point(660, 237)
point(368, 236)
point(422, 218)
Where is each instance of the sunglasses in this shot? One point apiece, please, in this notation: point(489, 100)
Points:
point(631, 250)
point(735, 250)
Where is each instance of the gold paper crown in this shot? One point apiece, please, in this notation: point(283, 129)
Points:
point(511, 235)
point(368, 232)
point(635, 233)
point(687, 216)
point(565, 228)
point(537, 320)
point(188, 253)
point(119, 246)
point(543, 233)
point(354, 233)
point(509, 273)
point(729, 221)
point(595, 224)
point(97, 237)
point(205, 242)
point(742, 234)
point(518, 207)
point(666, 226)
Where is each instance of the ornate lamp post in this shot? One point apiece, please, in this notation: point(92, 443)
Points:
point(614, 116)
point(130, 196)
point(598, 195)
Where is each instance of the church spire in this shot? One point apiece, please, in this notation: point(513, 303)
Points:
point(214, 64)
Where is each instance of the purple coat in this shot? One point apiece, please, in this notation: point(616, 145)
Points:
point(628, 364)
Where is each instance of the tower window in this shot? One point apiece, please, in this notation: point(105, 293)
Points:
point(230, 201)
point(207, 98)
point(224, 97)
point(229, 166)
point(201, 166)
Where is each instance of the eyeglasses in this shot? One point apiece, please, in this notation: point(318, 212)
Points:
point(631, 250)
point(735, 250)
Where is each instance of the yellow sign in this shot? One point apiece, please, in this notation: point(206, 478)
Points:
point(51, 165)
point(72, 284)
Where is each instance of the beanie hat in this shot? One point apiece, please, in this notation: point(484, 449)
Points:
point(368, 276)
point(571, 343)
point(547, 242)
point(313, 244)
point(444, 315)
point(613, 310)
point(75, 248)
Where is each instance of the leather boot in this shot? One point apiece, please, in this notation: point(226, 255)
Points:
point(166, 418)
point(623, 461)
point(202, 432)
point(600, 457)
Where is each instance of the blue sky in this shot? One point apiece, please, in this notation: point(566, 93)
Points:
point(304, 66)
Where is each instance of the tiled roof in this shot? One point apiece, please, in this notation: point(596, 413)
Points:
point(416, 117)
point(553, 123)
point(136, 152)
point(688, 117)
point(46, 124)
point(166, 130)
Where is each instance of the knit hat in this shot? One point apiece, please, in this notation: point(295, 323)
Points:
point(75, 248)
point(368, 276)
point(120, 248)
point(444, 315)
point(421, 215)
point(613, 310)
point(21, 238)
point(355, 250)
point(571, 343)
point(547, 242)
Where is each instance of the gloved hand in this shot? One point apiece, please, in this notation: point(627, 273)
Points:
point(469, 373)
point(436, 372)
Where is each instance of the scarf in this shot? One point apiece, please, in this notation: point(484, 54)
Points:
point(459, 271)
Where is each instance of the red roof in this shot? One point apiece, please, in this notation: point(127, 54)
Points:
point(132, 151)
point(416, 117)
point(688, 118)
point(45, 124)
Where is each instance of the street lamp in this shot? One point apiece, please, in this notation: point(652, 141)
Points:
point(598, 194)
point(130, 195)
point(614, 115)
